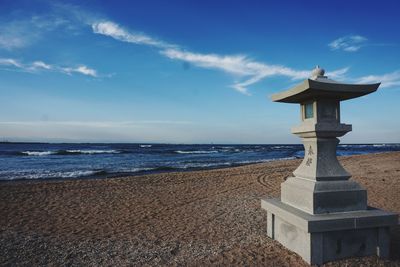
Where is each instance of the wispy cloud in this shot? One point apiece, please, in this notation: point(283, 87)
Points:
point(339, 74)
point(387, 80)
point(22, 29)
point(117, 32)
point(239, 65)
point(10, 62)
point(19, 33)
point(247, 70)
point(349, 43)
point(41, 65)
point(16, 34)
point(82, 69)
point(38, 66)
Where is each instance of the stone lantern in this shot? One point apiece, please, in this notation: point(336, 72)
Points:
point(322, 215)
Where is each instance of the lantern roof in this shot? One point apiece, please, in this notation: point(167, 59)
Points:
point(319, 86)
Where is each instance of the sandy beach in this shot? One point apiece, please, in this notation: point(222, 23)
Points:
point(195, 218)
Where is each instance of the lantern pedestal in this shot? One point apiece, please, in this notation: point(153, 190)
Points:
point(327, 237)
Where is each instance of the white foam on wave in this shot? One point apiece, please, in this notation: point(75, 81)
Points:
point(355, 146)
point(72, 151)
point(221, 164)
point(138, 169)
point(370, 145)
point(204, 165)
point(42, 174)
point(75, 174)
point(231, 150)
point(263, 160)
point(145, 145)
point(38, 153)
point(379, 145)
point(196, 152)
point(93, 151)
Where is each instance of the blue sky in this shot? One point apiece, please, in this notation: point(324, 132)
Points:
point(190, 72)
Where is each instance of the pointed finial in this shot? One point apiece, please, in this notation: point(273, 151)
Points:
point(317, 72)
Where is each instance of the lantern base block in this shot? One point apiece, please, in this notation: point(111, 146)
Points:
point(327, 237)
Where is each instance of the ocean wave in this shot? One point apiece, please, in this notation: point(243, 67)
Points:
point(204, 165)
point(80, 173)
point(236, 150)
point(227, 164)
point(379, 145)
point(196, 152)
point(264, 160)
point(45, 174)
point(89, 151)
point(133, 170)
point(50, 174)
point(145, 146)
point(38, 153)
point(68, 152)
point(369, 145)
point(356, 146)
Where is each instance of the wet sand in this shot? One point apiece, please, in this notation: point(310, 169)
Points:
point(196, 218)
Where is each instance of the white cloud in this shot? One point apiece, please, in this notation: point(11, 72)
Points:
point(115, 31)
point(37, 66)
point(338, 74)
point(387, 80)
point(245, 69)
point(82, 70)
point(41, 64)
point(231, 64)
point(10, 62)
point(86, 71)
point(249, 70)
point(350, 43)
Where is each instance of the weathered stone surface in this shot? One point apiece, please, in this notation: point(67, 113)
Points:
point(371, 217)
point(323, 88)
point(321, 238)
point(322, 215)
point(317, 197)
point(320, 162)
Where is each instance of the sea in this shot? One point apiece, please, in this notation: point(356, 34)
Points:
point(28, 161)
